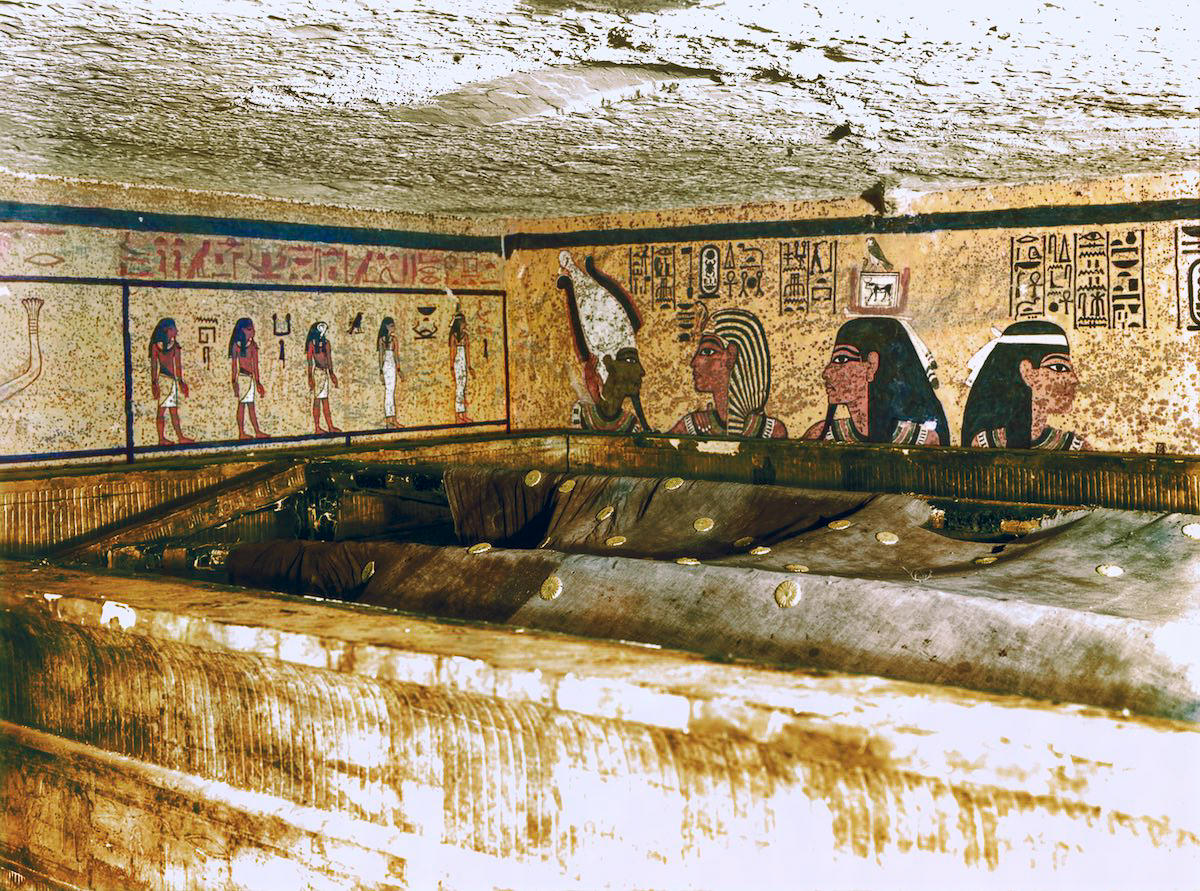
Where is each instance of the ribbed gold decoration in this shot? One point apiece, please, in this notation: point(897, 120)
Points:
point(787, 594)
point(551, 588)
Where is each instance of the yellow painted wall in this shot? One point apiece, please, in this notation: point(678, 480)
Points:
point(81, 282)
point(959, 252)
point(1135, 347)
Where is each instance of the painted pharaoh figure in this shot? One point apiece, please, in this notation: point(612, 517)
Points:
point(733, 364)
point(166, 378)
point(604, 322)
point(460, 363)
point(319, 355)
point(386, 346)
point(884, 376)
point(1018, 380)
point(243, 356)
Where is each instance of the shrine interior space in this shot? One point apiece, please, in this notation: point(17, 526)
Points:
point(599, 444)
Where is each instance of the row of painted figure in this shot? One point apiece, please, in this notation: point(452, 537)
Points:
point(169, 385)
point(880, 379)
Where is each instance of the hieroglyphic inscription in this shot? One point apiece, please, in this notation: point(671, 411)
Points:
point(742, 268)
point(195, 258)
point(1187, 277)
point(640, 280)
point(1091, 289)
point(806, 275)
point(1126, 280)
point(652, 274)
point(471, 271)
point(710, 271)
point(207, 337)
point(664, 277)
point(1095, 278)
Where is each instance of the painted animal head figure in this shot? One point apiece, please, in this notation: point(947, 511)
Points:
point(733, 357)
point(242, 337)
point(877, 360)
point(1029, 362)
point(458, 325)
point(316, 340)
point(387, 328)
point(164, 335)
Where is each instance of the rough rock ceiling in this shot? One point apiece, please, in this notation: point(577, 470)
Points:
point(544, 107)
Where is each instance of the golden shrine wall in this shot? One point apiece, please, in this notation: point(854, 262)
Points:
point(1107, 273)
point(134, 333)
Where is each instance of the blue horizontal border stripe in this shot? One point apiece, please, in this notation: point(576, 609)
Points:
point(145, 221)
point(1013, 218)
point(204, 284)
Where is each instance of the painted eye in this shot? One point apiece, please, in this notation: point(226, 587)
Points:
point(706, 351)
point(842, 360)
point(1059, 367)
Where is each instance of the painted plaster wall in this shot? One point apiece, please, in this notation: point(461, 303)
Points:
point(1115, 264)
point(99, 276)
point(88, 273)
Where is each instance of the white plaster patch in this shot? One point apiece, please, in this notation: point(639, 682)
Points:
point(718, 448)
point(50, 598)
point(623, 701)
point(124, 615)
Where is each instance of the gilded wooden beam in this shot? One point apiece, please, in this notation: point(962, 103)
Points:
point(1092, 479)
point(211, 507)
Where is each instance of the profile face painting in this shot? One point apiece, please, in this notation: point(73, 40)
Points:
point(1021, 378)
point(243, 361)
point(604, 322)
point(321, 376)
point(733, 364)
point(386, 347)
point(460, 362)
point(166, 379)
point(883, 375)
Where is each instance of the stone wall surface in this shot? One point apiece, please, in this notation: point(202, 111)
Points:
point(1105, 274)
point(239, 740)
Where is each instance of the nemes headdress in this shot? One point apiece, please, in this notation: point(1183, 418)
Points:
point(750, 377)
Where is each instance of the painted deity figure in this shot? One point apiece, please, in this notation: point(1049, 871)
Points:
point(883, 374)
point(387, 345)
point(604, 322)
point(319, 355)
point(733, 364)
point(460, 364)
point(243, 361)
point(166, 378)
point(1018, 380)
